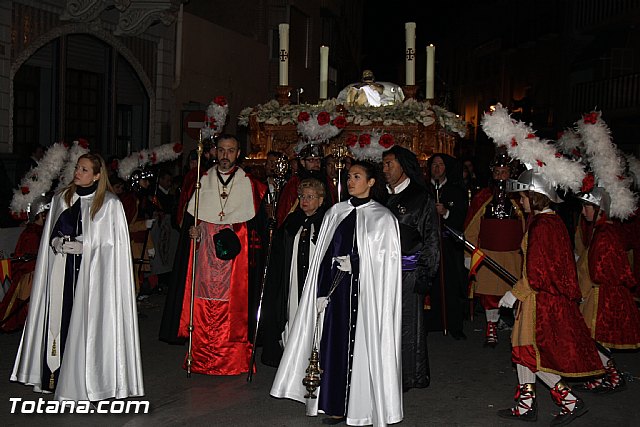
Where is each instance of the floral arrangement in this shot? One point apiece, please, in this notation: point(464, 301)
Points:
point(38, 181)
point(522, 144)
point(217, 112)
point(162, 153)
point(369, 146)
point(606, 164)
point(319, 127)
point(408, 112)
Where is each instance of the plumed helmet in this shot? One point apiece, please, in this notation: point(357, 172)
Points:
point(536, 182)
point(138, 175)
point(311, 150)
point(598, 197)
point(501, 159)
point(40, 204)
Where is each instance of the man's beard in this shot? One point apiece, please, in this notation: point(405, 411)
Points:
point(225, 165)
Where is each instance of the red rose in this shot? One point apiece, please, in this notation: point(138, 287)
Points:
point(177, 147)
point(514, 143)
point(324, 118)
point(303, 116)
point(587, 183)
point(220, 100)
point(364, 139)
point(540, 163)
point(386, 140)
point(558, 155)
point(591, 118)
point(24, 189)
point(531, 136)
point(340, 122)
point(352, 140)
point(83, 143)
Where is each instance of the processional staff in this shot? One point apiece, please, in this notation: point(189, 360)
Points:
point(281, 167)
point(339, 152)
point(194, 255)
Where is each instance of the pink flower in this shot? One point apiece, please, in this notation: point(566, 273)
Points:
point(340, 122)
point(303, 116)
point(386, 140)
point(364, 139)
point(324, 118)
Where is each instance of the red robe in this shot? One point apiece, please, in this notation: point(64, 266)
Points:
point(220, 344)
point(561, 342)
point(27, 245)
point(617, 323)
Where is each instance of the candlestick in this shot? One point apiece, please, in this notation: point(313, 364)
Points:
point(324, 71)
point(410, 52)
point(284, 55)
point(431, 53)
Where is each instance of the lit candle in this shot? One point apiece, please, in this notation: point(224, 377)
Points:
point(431, 53)
point(324, 71)
point(284, 55)
point(410, 52)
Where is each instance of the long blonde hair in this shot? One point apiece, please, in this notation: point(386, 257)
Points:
point(103, 183)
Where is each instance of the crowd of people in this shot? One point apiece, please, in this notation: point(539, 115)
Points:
point(355, 260)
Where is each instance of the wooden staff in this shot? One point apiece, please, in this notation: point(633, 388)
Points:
point(194, 255)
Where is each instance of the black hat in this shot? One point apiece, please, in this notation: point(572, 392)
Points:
point(227, 244)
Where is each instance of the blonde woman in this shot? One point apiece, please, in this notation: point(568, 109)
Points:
point(81, 336)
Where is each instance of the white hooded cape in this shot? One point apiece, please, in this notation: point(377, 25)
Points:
point(375, 395)
point(102, 353)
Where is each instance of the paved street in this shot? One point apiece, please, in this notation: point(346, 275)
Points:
point(469, 383)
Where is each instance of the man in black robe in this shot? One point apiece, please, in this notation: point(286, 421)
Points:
point(451, 205)
point(414, 207)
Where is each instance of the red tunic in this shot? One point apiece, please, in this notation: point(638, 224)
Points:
point(220, 344)
point(562, 343)
point(12, 306)
point(618, 320)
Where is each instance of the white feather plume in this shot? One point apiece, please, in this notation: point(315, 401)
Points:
point(522, 144)
point(633, 164)
point(606, 165)
point(144, 157)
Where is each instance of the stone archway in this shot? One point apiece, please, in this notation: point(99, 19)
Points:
point(105, 37)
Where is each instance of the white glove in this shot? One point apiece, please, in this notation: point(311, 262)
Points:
point(151, 252)
point(74, 248)
point(467, 263)
point(321, 304)
point(149, 222)
point(56, 244)
point(344, 263)
point(507, 300)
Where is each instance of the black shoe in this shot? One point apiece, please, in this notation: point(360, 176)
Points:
point(458, 335)
point(564, 419)
point(530, 416)
point(333, 421)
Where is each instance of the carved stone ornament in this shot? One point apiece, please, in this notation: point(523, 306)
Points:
point(134, 16)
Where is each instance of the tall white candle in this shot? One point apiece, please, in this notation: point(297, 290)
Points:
point(410, 52)
point(324, 71)
point(283, 55)
point(431, 54)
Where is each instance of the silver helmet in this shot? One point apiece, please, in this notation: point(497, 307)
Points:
point(40, 204)
point(536, 182)
point(598, 197)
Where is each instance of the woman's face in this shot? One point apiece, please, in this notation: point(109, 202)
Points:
point(524, 201)
point(588, 212)
point(357, 182)
point(84, 176)
point(309, 201)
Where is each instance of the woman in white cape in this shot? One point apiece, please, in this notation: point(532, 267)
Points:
point(358, 321)
point(81, 336)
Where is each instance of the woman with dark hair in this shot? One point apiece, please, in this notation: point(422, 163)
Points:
point(351, 310)
point(81, 336)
